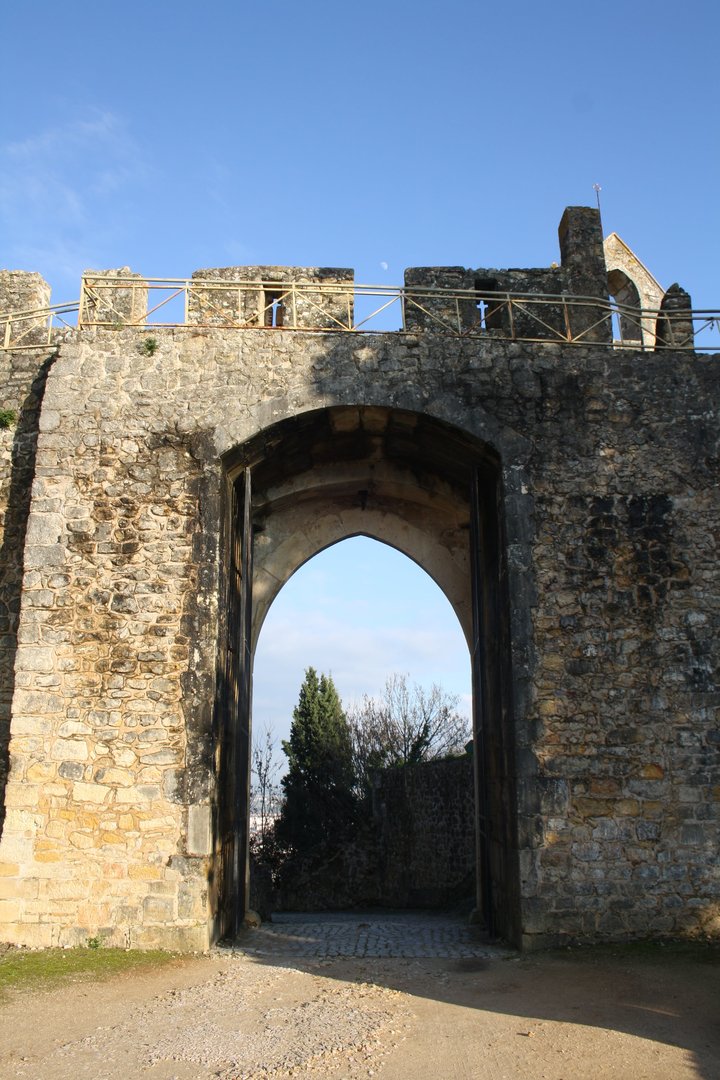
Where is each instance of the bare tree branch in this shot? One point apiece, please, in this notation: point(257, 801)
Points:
point(406, 725)
point(264, 793)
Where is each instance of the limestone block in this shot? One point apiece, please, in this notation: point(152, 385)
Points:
point(18, 888)
point(199, 834)
point(69, 750)
point(91, 793)
point(41, 771)
point(26, 724)
point(10, 911)
point(157, 909)
point(112, 777)
point(35, 659)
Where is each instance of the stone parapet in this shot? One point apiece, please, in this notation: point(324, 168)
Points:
point(113, 298)
point(273, 296)
point(21, 294)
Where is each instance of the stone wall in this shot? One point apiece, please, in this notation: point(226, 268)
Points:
point(113, 298)
point(610, 510)
point(272, 296)
point(22, 377)
point(581, 277)
point(424, 816)
point(21, 294)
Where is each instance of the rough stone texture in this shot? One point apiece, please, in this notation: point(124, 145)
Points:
point(609, 796)
point(583, 259)
point(272, 299)
point(486, 311)
point(582, 275)
point(21, 293)
point(114, 298)
point(674, 326)
point(22, 376)
point(425, 817)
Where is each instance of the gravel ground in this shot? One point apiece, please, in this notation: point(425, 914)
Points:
point(246, 1021)
point(470, 1014)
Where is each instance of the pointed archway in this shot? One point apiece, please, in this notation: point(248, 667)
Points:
point(427, 489)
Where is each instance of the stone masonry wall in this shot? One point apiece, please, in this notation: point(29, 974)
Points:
point(22, 378)
point(425, 818)
point(612, 515)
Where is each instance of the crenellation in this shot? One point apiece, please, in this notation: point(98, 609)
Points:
point(113, 298)
point(272, 296)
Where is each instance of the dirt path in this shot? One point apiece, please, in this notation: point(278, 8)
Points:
point(591, 1015)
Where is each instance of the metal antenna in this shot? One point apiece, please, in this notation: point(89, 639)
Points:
point(597, 189)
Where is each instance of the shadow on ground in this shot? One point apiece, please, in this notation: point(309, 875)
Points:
point(667, 995)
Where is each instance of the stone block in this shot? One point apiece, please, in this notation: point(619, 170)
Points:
point(36, 659)
point(114, 777)
point(69, 750)
point(10, 911)
point(71, 770)
point(23, 888)
point(91, 793)
point(25, 724)
point(41, 771)
point(157, 909)
point(70, 889)
point(199, 834)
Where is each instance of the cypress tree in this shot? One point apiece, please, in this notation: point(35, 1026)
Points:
point(319, 806)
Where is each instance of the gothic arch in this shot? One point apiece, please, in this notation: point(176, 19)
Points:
point(426, 488)
point(635, 290)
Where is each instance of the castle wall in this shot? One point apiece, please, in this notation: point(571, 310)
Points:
point(22, 379)
point(611, 502)
point(425, 817)
point(112, 585)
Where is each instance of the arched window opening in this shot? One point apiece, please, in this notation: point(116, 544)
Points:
point(627, 325)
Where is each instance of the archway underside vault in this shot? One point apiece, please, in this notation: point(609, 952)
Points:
point(425, 488)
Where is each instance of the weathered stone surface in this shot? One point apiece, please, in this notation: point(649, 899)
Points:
point(113, 298)
point(635, 290)
point(674, 326)
point(272, 296)
point(603, 793)
point(425, 817)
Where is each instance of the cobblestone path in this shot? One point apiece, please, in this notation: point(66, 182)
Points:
point(414, 935)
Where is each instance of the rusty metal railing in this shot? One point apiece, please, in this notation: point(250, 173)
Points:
point(110, 302)
point(36, 327)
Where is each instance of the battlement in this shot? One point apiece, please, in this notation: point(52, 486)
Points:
point(599, 294)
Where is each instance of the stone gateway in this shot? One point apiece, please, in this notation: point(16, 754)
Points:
point(159, 485)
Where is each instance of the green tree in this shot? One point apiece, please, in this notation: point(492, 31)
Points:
point(319, 804)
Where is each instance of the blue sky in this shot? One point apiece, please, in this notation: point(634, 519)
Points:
point(359, 611)
point(173, 136)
